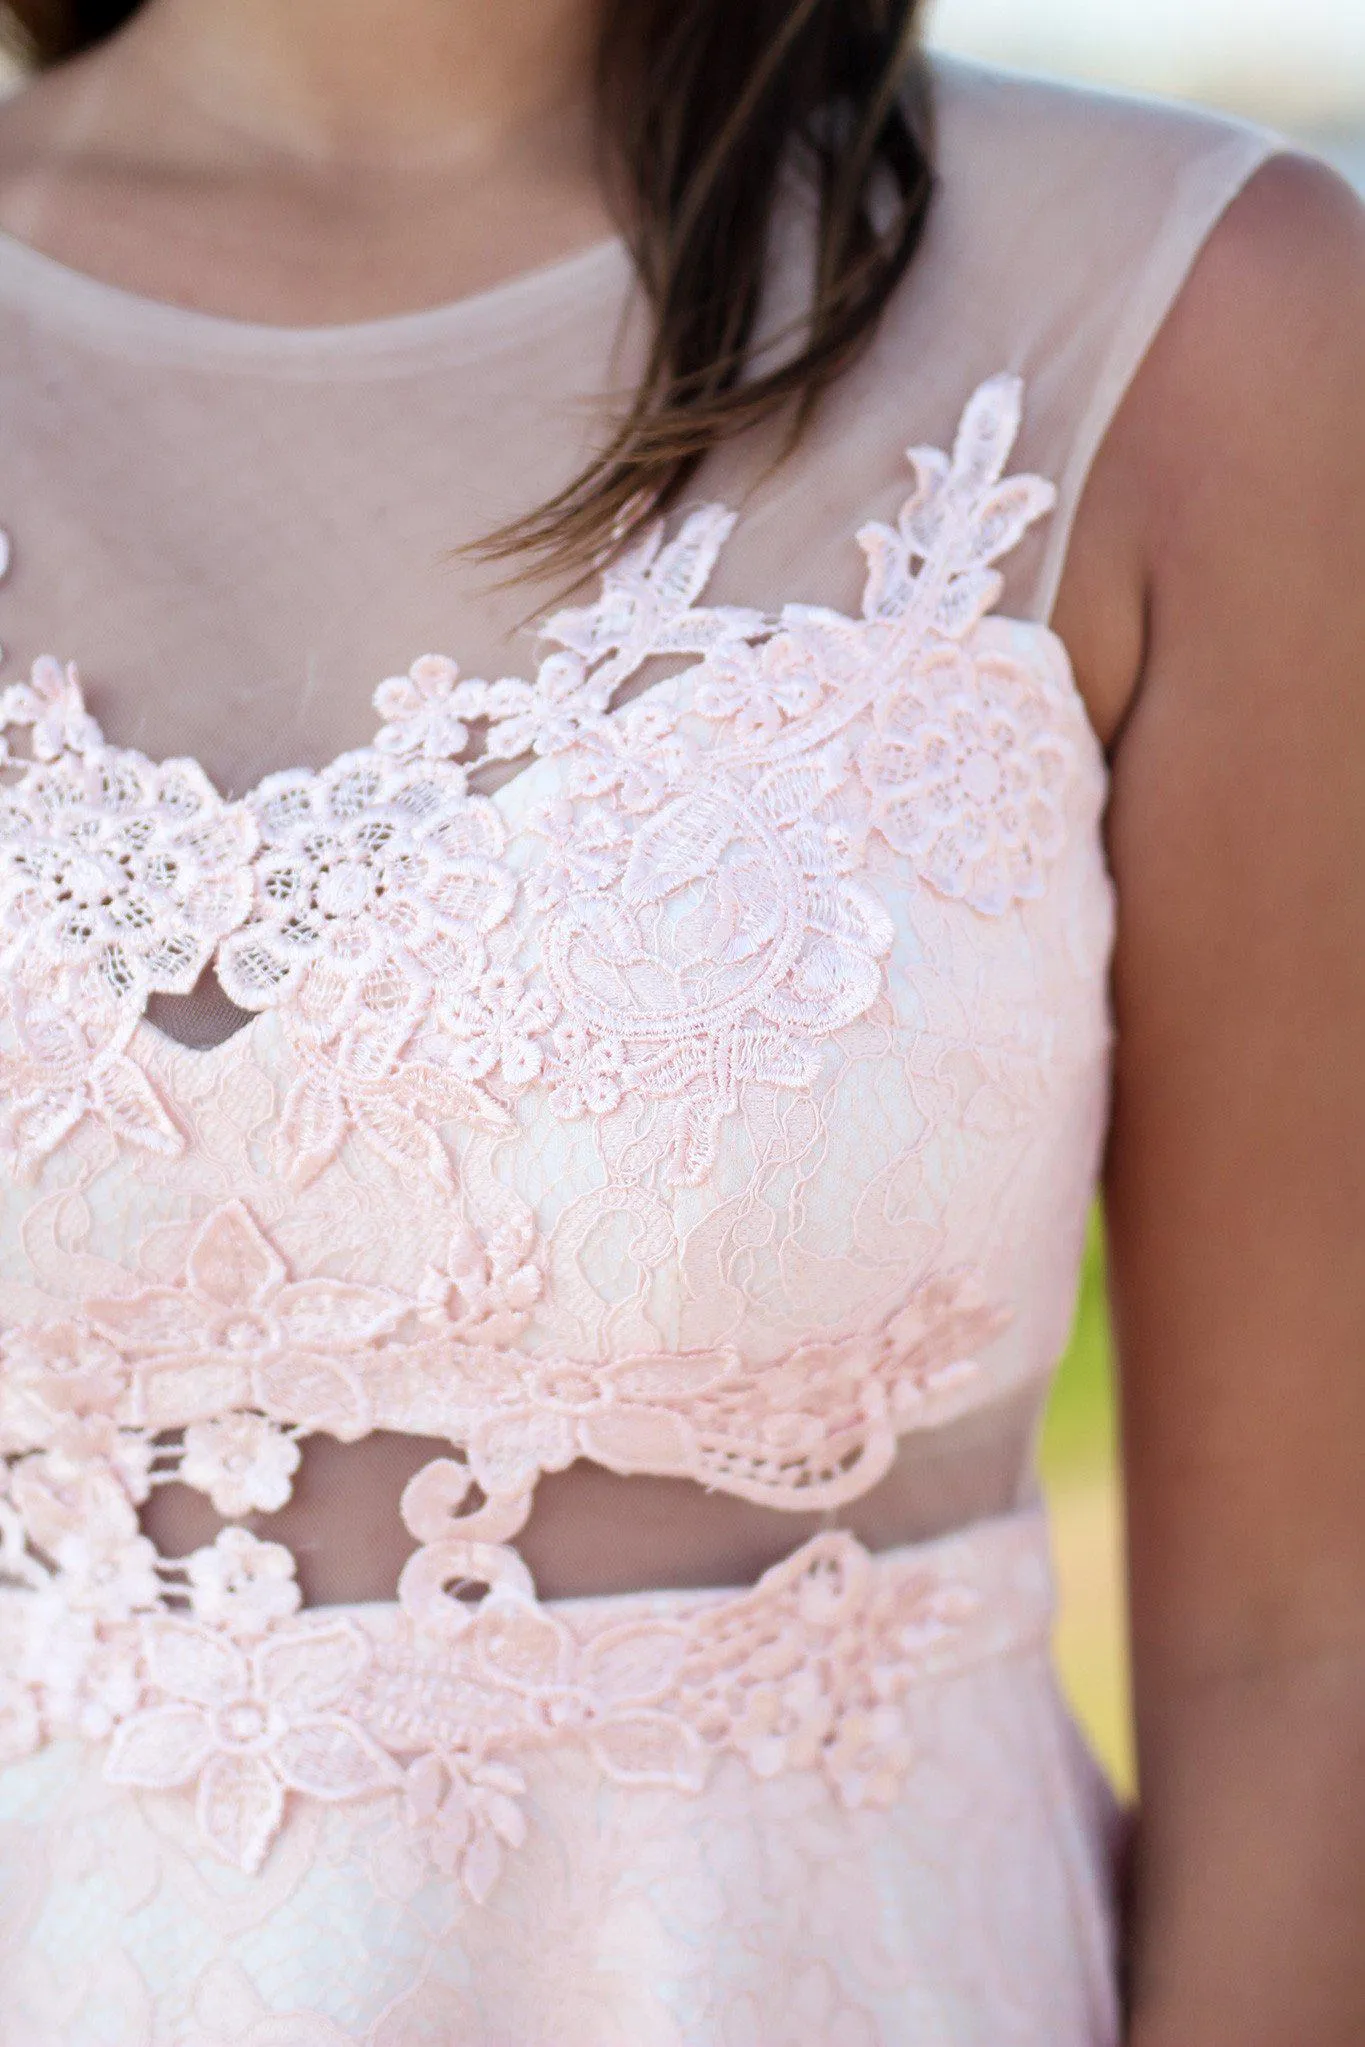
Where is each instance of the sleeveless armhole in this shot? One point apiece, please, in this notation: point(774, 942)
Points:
point(1204, 190)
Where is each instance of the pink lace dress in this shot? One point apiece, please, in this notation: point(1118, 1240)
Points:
point(719, 1098)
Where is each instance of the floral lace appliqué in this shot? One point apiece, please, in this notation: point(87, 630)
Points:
point(203, 1675)
point(684, 913)
point(118, 878)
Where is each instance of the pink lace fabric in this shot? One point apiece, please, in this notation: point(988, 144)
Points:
point(954, 1893)
point(696, 1106)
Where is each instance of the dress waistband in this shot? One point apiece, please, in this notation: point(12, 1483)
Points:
point(442, 1700)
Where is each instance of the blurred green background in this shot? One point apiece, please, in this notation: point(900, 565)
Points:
point(1080, 1474)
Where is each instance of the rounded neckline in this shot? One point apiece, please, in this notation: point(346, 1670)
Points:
point(114, 315)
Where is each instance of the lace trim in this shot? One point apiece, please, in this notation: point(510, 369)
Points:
point(686, 915)
point(433, 1707)
point(212, 1381)
point(201, 1669)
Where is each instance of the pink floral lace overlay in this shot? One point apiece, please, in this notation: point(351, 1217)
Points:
point(203, 1673)
point(437, 1704)
point(117, 880)
point(688, 916)
point(718, 1099)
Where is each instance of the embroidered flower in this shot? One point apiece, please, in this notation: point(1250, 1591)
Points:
point(112, 1579)
point(635, 756)
point(498, 1028)
point(59, 1368)
point(419, 712)
point(247, 1728)
point(60, 1065)
point(237, 1331)
point(539, 717)
point(83, 1485)
point(373, 1085)
point(120, 870)
point(589, 1072)
point(583, 855)
point(51, 705)
point(968, 775)
point(242, 1584)
point(628, 1415)
point(83, 1674)
point(756, 690)
point(244, 1463)
point(378, 882)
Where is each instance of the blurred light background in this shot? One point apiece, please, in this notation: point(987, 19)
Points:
point(1298, 65)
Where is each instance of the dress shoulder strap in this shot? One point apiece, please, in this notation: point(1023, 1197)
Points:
point(1066, 223)
point(1199, 197)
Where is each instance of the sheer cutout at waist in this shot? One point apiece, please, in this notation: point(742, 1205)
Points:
point(594, 1533)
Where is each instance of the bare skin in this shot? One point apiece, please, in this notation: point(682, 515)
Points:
point(1214, 607)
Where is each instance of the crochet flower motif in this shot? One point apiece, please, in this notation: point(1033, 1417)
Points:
point(89, 1476)
point(499, 1026)
point(118, 871)
point(236, 1331)
point(50, 706)
point(118, 877)
point(377, 883)
point(241, 1583)
point(73, 1503)
point(244, 1463)
point(419, 712)
point(51, 1370)
point(245, 1729)
point(968, 775)
point(759, 690)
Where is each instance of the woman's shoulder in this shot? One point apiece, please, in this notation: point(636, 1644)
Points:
point(1076, 212)
point(1051, 126)
point(1256, 374)
point(1239, 431)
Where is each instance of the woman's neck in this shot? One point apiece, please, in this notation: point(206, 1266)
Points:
point(370, 83)
point(310, 161)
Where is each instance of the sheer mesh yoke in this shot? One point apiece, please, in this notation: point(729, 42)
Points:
point(719, 1099)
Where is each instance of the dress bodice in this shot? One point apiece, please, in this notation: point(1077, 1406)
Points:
point(821, 912)
point(719, 1098)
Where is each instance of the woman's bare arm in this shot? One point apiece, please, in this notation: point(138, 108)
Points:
point(1236, 1172)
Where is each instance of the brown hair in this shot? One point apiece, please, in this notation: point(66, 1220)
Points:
point(703, 105)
